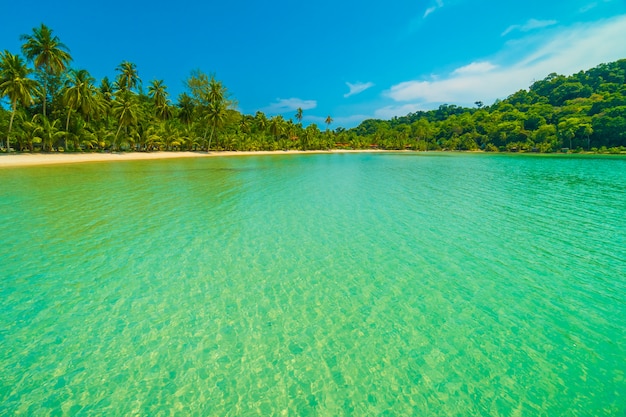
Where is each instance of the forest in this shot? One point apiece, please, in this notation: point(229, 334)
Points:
point(48, 106)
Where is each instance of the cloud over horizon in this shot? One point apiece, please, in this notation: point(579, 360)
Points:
point(569, 50)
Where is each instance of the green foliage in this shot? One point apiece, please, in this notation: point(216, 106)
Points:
point(580, 112)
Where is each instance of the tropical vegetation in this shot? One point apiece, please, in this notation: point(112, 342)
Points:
point(50, 106)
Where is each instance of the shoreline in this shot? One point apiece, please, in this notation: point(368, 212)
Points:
point(42, 159)
point(16, 160)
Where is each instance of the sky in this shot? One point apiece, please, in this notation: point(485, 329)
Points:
point(348, 59)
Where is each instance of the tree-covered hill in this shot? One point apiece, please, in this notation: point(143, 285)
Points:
point(585, 111)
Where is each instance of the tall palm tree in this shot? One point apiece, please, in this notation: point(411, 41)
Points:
point(217, 91)
point(126, 109)
point(216, 116)
point(185, 104)
point(15, 84)
point(47, 53)
point(329, 121)
point(78, 95)
point(211, 98)
point(105, 99)
point(128, 78)
point(299, 115)
point(157, 91)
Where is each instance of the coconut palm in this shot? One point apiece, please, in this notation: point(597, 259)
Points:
point(79, 95)
point(185, 104)
point(217, 91)
point(30, 133)
point(170, 136)
point(104, 99)
point(128, 78)
point(50, 133)
point(106, 88)
point(126, 109)
point(47, 53)
point(157, 91)
point(244, 123)
point(216, 115)
point(211, 99)
point(277, 126)
point(217, 111)
point(260, 121)
point(299, 115)
point(15, 84)
point(329, 121)
point(310, 135)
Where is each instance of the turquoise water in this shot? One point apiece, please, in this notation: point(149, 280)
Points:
point(349, 284)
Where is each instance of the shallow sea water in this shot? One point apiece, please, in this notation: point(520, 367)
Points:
point(343, 284)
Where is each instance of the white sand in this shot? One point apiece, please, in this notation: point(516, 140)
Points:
point(27, 159)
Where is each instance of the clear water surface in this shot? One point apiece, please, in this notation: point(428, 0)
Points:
point(330, 285)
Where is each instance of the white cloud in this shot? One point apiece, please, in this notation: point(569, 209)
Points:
point(357, 88)
point(476, 68)
point(532, 24)
point(592, 5)
point(283, 105)
point(438, 5)
point(567, 51)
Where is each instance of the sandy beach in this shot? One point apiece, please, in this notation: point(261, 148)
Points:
point(27, 159)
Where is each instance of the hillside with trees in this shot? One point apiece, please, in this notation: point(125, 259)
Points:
point(50, 106)
point(585, 111)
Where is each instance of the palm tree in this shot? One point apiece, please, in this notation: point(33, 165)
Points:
point(128, 79)
point(277, 127)
point(79, 95)
point(329, 121)
point(50, 132)
point(310, 134)
point(106, 88)
point(15, 84)
point(217, 91)
point(299, 115)
point(105, 99)
point(211, 98)
point(244, 124)
point(47, 53)
point(126, 109)
point(157, 91)
point(31, 130)
point(260, 121)
point(185, 104)
point(216, 116)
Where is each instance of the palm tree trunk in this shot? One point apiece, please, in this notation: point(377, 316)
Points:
point(208, 147)
point(115, 138)
point(11, 125)
point(67, 126)
point(45, 94)
point(204, 136)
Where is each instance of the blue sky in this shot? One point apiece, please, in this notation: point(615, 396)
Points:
point(348, 59)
